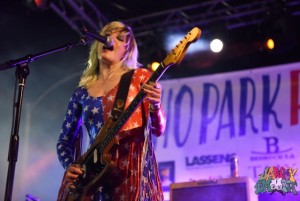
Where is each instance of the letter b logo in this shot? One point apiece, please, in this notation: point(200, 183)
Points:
point(272, 145)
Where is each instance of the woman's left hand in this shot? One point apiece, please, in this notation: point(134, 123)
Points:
point(153, 90)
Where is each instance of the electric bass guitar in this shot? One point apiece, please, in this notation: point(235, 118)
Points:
point(97, 160)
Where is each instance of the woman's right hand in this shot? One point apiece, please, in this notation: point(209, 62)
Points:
point(72, 173)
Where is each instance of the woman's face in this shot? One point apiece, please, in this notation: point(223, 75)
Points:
point(114, 55)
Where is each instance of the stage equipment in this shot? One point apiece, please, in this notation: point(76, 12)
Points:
point(233, 189)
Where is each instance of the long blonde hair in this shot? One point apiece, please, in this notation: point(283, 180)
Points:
point(130, 59)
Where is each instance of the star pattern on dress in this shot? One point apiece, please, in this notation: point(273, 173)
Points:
point(92, 112)
point(95, 110)
point(110, 98)
point(99, 124)
point(133, 173)
point(124, 163)
point(132, 88)
point(66, 138)
point(135, 124)
point(109, 114)
point(63, 153)
point(142, 77)
point(134, 155)
point(68, 125)
point(123, 197)
point(132, 188)
point(125, 181)
point(117, 189)
point(90, 122)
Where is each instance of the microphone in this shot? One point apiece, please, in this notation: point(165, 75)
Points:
point(107, 41)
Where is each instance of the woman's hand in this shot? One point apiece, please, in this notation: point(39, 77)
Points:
point(153, 90)
point(72, 173)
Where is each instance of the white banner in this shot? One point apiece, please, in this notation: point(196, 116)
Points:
point(253, 114)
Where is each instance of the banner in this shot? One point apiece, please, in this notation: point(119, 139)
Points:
point(253, 114)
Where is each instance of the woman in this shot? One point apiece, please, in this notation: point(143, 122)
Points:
point(135, 177)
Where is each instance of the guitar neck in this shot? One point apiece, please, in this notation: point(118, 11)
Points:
point(156, 75)
point(174, 57)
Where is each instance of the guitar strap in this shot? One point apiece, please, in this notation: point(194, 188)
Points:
point(121, 96)
point(117, 109)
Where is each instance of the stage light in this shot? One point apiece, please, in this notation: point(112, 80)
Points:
point(216, 45)
point(153, 66)
point(172, 39)
point(270, 44)
point(37, 4)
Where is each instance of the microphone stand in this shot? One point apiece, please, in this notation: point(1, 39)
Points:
point(22, 72)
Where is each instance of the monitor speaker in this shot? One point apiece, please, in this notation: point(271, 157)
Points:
point(229, 189)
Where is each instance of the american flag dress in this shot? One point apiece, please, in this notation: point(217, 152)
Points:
point(135, 178)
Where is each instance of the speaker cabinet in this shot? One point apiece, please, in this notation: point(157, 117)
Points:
point(230, 189)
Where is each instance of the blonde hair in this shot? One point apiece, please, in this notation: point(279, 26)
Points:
point(130, 59)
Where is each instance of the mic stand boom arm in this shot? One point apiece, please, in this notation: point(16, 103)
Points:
point(32, 57)
point(22, 72)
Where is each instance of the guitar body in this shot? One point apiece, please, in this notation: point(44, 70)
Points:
point(98, 161)
point(95, 165)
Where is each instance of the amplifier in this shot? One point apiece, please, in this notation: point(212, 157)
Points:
point(229, 189)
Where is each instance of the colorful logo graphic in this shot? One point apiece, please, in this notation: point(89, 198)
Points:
point(275, 179)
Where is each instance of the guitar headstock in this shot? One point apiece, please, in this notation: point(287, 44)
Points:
point(176, 55)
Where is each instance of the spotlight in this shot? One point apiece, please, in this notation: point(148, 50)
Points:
point(152, 67)
point(269, 44)
point(37, 4)
point(172, 39)
point(216, 45)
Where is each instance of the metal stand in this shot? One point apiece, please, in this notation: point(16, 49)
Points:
point(22, 72)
